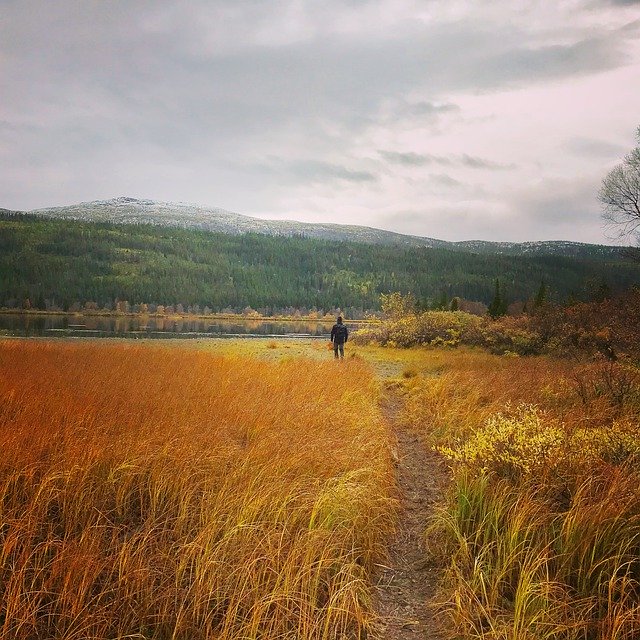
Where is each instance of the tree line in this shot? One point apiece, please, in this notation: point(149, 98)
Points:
point(60, 264)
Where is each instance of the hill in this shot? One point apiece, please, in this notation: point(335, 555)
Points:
point(189, 216)
point(56, 263)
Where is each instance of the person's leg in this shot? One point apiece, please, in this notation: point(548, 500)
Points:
point(335, 350)
point(342, 350)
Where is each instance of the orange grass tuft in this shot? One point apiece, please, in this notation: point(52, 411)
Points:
point(163, 492)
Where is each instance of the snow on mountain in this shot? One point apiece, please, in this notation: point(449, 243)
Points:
point(135, 211)
point(126, 210)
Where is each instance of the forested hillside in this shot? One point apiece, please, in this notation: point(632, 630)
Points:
point(56, 264)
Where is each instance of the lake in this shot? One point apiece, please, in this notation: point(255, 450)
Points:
point(31, 325)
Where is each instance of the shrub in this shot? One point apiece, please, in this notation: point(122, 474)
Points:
point(608, 329)
point(523, 443)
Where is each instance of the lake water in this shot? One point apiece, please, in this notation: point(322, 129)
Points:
point(17, 324)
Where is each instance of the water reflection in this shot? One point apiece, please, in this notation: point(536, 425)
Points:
point(153, 327)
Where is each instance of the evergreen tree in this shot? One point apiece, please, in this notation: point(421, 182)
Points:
point(541, 296)
point(498, 306)
point(442, 303)
point(602, 293)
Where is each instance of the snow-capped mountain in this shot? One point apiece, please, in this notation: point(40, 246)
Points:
point(126, 210)
point(134, 211)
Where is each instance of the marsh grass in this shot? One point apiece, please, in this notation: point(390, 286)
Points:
point(170, 493)
point(540, 533)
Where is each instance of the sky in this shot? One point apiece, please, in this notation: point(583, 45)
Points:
point(450, 119)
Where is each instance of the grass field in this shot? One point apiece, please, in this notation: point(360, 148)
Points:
point(245, 489)
point(540, 536)
point(163, 491)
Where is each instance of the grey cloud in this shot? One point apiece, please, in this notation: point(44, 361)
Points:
point(184, 101)
point(423, 110)
point(560, 209)
point(174, 72)
point(314, 170)
point(445, 180)
point(631, 26)
point(561, 203)
point(105, 70)
point(422, 159)
point(582, 146)
point(429, 108)
point(526, 64)
point(409, 158)
point(482, 163)
point(308, 171)
point(453, 223)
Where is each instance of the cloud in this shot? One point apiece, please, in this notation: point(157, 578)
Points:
point(562, 202)
point(430, 109)
point(624, 3)
point(315, 170)
point(308, 171)
point(568, 207)
point(519, 64)
point(482, 163)
point(444, 180)
point(291, 107)
point(411, 159)
point(582, 146)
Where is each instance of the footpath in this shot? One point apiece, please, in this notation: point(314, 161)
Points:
point(406, 587)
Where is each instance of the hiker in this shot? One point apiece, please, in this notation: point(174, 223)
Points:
point(339, 335)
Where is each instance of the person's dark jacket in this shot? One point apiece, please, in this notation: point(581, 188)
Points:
point(339, 333)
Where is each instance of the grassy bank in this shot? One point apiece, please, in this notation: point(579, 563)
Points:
point(169, 492)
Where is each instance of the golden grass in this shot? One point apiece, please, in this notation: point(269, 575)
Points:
point(162, 492)
point(458, 390)
point(540, 534)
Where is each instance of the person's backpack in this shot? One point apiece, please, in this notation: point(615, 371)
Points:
point(341, 333)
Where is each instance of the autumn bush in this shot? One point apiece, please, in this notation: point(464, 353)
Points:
point(438, 328)
point(164, 492)
point(540, 532)
point(608, 328)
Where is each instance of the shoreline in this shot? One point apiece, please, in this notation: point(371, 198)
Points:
point(185, 316)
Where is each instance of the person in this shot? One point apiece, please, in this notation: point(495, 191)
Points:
point(339, 335)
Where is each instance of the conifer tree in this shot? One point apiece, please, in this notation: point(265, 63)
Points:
point(541, 296)
point(498, 306)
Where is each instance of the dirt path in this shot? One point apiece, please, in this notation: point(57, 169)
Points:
point(406, 587)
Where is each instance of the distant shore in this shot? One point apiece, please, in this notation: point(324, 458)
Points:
point(183, 316)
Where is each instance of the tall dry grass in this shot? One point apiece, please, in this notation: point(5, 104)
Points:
point(540, 534)
point(166, 493)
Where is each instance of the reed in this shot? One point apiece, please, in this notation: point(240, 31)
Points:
point(163, 492)
point(540, 533)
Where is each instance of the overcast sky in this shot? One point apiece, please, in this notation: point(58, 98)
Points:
point(451, 119)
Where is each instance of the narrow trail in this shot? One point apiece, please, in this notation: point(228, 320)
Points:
point(406, 587)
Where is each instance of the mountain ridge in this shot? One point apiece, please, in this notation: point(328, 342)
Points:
point(128, 210)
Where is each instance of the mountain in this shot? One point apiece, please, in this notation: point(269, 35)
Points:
point(190, 216)
point(55, 263)
point(126, 210)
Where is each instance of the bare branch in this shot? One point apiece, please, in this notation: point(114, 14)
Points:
point(620, 196)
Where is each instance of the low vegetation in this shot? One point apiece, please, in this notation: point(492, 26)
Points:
point(608, 328)
point(164, 492)
point(540, 533)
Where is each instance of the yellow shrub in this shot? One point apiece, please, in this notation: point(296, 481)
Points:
point(510, 445)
